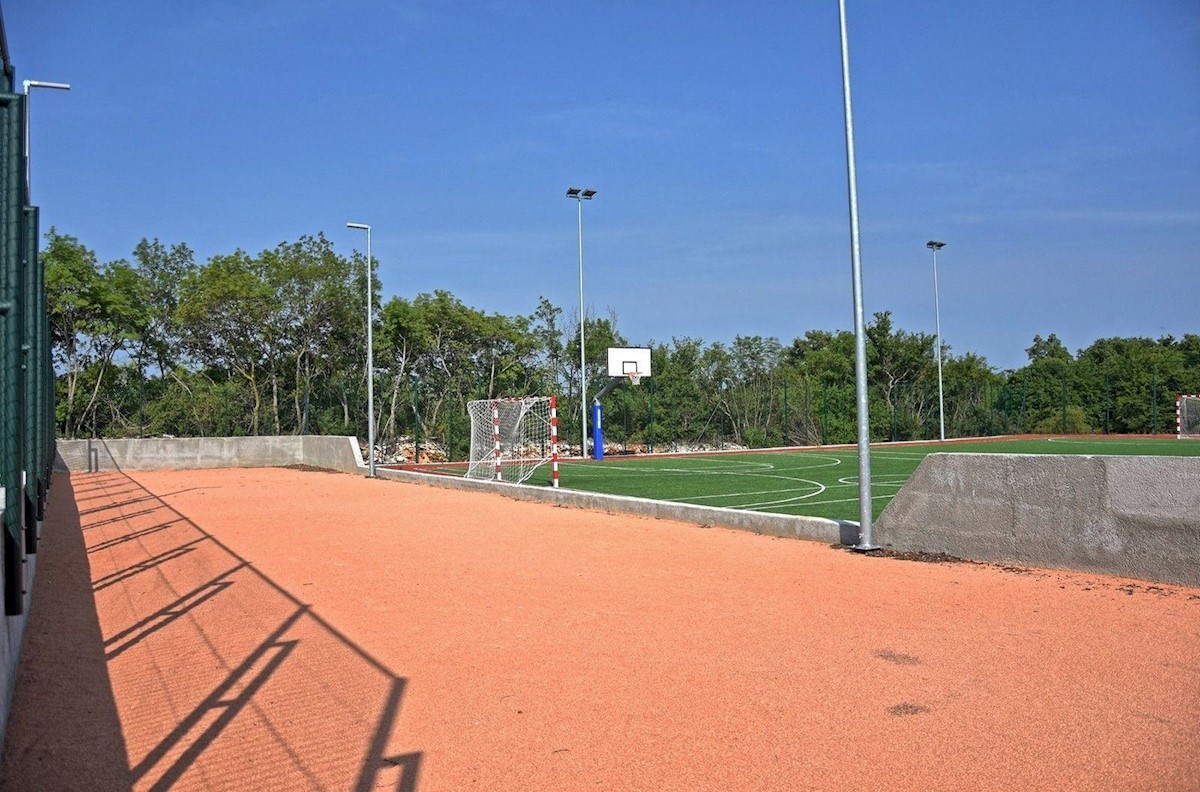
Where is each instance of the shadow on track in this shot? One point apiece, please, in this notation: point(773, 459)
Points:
point(169, 659)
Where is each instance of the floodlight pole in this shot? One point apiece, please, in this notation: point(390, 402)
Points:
point(27, 84)
point(937, 318)
point(370, 357)
point(581, 195)
point(860, 343)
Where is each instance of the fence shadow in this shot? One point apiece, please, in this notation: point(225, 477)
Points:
point(64, 696)
point(208, 670)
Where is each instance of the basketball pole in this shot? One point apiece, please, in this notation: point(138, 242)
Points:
point(860, 344)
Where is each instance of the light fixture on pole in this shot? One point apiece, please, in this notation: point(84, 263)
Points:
point(580, 195)
point(860, 333)
point(25, 145)
point(370, 356)
point(937, 318)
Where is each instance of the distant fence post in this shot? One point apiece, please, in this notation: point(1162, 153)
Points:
point(650, 385)
point(1154, 396)
point(1064, 398)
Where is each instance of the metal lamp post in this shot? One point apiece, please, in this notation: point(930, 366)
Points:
point(416, 386)
point(860, 334)
point(580, 195)
point(370, 358)
point(937, 318)
point(36, 509)
point(25, 145)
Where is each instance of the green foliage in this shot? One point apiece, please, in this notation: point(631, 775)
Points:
point(276, 342)
point(1076, 422)
point(95, 310)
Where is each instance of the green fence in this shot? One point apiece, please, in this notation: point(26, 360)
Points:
point(26, 369)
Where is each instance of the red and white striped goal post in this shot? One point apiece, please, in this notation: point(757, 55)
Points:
point(497, 448)
point(1179, 415)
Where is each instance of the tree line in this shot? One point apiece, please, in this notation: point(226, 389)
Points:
point(274, 343)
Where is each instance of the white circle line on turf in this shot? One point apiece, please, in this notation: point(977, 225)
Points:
point(820, 503)
point(795, 499)
point(689, 498)
point(808, 502)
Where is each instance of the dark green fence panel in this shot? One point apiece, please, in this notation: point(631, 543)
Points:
point(30, 417)
point(11, 391)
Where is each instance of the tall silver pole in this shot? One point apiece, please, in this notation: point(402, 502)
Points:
point(860, 344)
point(582, 358)
point(370, 364)
point(27, 84)
point(370, 354)
point(25, 144)
point(937, 318)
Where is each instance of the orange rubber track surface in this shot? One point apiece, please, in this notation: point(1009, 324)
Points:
point(279, 629)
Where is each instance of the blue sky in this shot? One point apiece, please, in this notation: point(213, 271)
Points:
point(1055, 147)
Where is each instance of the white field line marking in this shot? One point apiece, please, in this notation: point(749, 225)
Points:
point(618, 466)
point(797, 498)
point(896, 480)
point(829, 461)
point(847, 481)
point(805, 498)
point(819, 503)
point(579, 470)
point(820, 487)
point(1103, 441)
point(759, 471)
point(755, 492)
point(734, 494)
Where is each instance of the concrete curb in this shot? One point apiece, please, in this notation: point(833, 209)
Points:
point(786, 526)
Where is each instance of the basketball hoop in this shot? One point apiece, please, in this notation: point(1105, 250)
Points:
point(635, 377)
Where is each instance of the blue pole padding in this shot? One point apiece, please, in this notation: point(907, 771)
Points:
point(597, 431)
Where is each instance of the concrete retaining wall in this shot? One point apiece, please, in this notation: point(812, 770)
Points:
point(1119, 515)
point(814, 528)
point(11, 636)
point(182, 453)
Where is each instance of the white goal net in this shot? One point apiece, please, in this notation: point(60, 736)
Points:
point(511, 438)
point(1187, 416)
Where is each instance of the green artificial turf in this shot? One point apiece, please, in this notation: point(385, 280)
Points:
point(820, 482)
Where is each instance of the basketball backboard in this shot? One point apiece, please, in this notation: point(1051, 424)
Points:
point(623, 361)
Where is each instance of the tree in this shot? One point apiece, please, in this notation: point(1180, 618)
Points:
point(1047, 348)
point(94, 311)
point(276, 342)
point(223, 315)
point(162, 270)
point(901, 364)
point(313, 286)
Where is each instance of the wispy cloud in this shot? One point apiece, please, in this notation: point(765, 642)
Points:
point(621, 121)
point(1136, 217)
